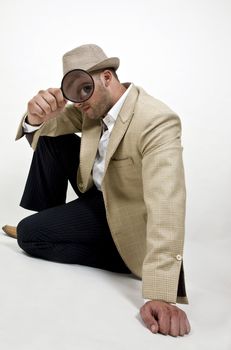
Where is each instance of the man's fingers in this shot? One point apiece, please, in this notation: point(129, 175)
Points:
point(175, 324)
point(58, 95)
point(164, 320)
point(188, 327)
point(34, 108)
point(51, 100)
point(43, 104)
point(184, 324)
point(149, 319)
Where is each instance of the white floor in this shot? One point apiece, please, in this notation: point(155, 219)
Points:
point(45, 305)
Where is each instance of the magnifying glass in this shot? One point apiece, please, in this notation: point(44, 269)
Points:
point(77, 85)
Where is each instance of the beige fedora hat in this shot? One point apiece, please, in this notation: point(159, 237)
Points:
point(88, 57)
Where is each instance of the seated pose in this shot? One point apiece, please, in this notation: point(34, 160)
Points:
point(128, 175)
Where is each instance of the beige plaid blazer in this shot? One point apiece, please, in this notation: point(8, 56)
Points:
point(143, 187)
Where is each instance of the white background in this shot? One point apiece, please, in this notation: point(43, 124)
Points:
point(179, 51)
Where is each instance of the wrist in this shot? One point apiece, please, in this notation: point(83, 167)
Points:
point(30, 123)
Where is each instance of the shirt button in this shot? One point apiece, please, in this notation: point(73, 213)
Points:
point(179, 257)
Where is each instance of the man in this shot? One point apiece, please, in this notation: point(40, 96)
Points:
point(130, 210)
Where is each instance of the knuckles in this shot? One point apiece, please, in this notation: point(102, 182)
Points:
point(53, 90)
point(174, 313)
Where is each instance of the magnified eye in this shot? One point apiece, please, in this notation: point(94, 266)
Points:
point(86, 90)
point(77, 85)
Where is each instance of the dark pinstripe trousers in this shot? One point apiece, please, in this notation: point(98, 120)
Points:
point(76, 232)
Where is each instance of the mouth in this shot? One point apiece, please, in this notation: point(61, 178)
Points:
point(84, 109)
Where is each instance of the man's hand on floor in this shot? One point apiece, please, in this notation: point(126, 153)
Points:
point(164, 318)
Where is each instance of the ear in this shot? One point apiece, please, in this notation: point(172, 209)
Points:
point(107, 77)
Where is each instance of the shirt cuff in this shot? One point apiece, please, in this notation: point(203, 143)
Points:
point(29, 128)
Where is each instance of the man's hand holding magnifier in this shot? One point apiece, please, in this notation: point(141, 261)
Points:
point(77, 86)
point(45, 105)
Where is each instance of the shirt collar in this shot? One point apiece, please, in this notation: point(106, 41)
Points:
point(113, 113)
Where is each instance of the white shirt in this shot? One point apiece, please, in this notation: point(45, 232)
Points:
point(109, 120)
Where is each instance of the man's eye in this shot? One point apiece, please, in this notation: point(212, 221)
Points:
point(87, 89)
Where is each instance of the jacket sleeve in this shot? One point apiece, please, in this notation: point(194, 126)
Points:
point(67, 122)
point(164, 196)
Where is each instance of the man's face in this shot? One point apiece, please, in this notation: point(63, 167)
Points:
point(99, 103)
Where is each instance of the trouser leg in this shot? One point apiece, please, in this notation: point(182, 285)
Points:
point(54, 162)
point(76, 232)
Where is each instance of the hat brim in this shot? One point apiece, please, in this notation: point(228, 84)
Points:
point(112, 62)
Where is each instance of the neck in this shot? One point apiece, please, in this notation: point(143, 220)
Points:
point(119, 91)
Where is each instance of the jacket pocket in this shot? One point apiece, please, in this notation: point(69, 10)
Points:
point(119, 163)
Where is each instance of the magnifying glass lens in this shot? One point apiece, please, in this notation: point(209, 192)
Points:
point(77, 85)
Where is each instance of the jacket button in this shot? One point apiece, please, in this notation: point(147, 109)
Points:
point(179, 257)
